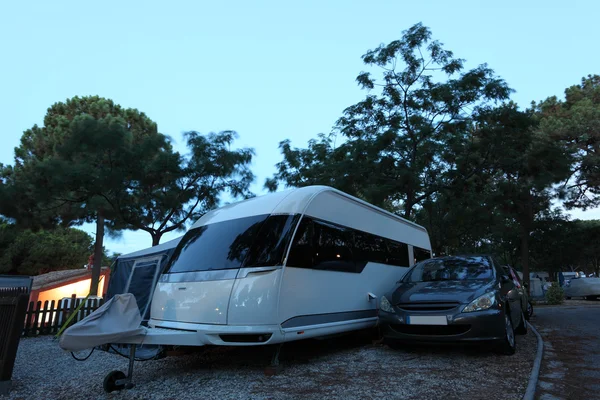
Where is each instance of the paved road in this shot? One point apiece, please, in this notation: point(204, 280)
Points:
point(571, 365)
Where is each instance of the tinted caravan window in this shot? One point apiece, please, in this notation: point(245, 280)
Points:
point(369, 248)
point(397, 253)
point(222, 245)
point(272, 241)
point(302, 251)
point(421, 254)
point(332, 248)
point(320, 245)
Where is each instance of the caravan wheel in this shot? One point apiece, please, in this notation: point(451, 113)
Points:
point(110, 381)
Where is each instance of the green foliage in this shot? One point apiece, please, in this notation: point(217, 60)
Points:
point(78, 164)
point(441, 145)
point(561, 245)
point(398, 143)
point(555, 294)
point(32, 253)
point(575, 123)
point(170, 192)
point(94, 160)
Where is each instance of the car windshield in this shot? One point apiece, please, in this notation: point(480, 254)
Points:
point(451, 269)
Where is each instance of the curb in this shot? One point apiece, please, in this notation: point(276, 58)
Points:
point(537, 364)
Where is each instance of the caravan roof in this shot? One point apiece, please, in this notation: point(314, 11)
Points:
point(291, 201)
point(161, 248)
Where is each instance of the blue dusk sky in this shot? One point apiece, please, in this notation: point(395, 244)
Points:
point(270, 70)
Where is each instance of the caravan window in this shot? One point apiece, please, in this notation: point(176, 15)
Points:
point(302, 251)
point(370, 248)
point(421, 254)
point(322, 245)
point(272, 241)
point(319, 245)
point(222, 245)
point(332, 251)
point(397, 253)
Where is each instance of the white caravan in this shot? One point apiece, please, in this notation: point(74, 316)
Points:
point(301, 263)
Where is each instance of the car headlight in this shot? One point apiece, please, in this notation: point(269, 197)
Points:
point(385, 305)
point(481, 303)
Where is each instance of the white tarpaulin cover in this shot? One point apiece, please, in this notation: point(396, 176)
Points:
point(582, 287)
point(118, 319)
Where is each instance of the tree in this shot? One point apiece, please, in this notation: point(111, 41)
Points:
point(26, 252)
point(82, 163)
point(523, 165)
point(174, 191)
point(398, 141)
point(575, 123)
point(581, 243)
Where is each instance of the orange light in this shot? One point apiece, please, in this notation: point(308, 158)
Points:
point(79, 289)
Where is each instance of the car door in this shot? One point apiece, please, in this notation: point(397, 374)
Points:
point(509, 294)
point(520, 289)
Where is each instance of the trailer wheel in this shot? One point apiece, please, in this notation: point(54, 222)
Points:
point(110, 381)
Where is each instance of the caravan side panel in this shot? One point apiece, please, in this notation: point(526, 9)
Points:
point(312, 296)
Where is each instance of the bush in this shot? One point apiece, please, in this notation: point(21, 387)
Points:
point(555, 294)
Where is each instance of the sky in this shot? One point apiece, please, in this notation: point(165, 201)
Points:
point(269, 70)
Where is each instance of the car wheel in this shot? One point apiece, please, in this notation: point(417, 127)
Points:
point(522, 328)
point(529, 311)
point(508, 345)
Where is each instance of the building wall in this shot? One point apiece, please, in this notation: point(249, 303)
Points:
point(80, 289)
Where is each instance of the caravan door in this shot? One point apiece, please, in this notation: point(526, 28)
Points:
point(142, 280)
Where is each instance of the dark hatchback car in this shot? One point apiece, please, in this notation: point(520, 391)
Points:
point(455, 299)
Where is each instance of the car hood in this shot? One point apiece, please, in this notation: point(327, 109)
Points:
point(441, 291)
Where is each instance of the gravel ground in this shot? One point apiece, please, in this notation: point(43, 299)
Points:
point(350, 367)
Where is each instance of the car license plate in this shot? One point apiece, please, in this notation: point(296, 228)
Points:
point(426, 320)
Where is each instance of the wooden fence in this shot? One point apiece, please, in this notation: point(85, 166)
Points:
point(48, 318)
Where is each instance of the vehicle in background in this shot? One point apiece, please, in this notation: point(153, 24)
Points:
point(455, 299)
point(589, 288)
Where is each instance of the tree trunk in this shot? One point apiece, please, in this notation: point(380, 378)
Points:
point(525, 232)
point(525, 254)
point(156, 238)
point(98, 253)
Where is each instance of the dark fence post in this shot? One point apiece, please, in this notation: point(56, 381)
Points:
point(49, 317)
point(14, 296)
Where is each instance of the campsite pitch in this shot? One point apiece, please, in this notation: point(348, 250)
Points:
point(349, 367)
